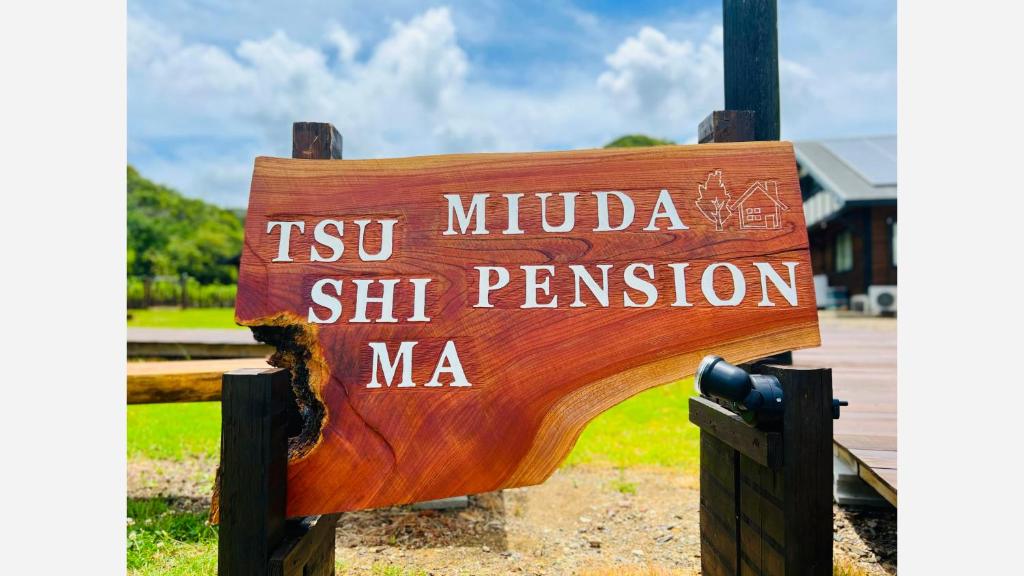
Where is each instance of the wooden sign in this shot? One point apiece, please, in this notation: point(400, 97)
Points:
point(453, 322)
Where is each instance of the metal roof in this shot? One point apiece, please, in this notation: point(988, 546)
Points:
point(848, 170)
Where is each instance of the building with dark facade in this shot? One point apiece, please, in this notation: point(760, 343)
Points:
point(849, 194)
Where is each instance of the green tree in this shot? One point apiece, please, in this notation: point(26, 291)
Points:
point(169, 234)
point(636, 140)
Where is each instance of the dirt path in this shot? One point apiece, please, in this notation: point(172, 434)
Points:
point(584, 520)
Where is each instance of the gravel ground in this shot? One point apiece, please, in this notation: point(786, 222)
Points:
point(583, 520)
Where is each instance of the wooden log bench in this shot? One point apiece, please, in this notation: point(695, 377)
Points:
point(182, 380)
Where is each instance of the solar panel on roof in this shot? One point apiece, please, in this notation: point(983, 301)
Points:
point(874, 159)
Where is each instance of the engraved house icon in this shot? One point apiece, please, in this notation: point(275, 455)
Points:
point(759, 207)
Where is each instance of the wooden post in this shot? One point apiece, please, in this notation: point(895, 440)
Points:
point(253, 469)
point(759, 515)
point(183, 283)
point(751, 57)
point(727, 126)
point(765, 497)
point(257, 405)
point(316, 141)
point(147, 291)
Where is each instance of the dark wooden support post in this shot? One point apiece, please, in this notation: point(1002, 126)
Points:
point(258, 409)
point(727, 126)
point(253, 469)
point(807, 469)
point(766, 496)
point(751, 57)
point(316, 141)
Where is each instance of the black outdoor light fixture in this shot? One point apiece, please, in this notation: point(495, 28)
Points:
point(757, 398)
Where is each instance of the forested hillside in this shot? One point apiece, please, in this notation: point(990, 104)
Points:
point(169, 234)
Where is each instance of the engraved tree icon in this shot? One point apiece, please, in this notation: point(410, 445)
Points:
point(713, 200)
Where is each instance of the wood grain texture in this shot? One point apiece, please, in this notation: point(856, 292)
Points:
point(726, 126)
point(308, 549)
point(182, 381)
point(315, 141)
point(538, 375)
point(764, 448)
point(750, 57)
point(250, 503)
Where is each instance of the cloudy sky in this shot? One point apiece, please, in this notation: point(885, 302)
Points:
point(212, 84)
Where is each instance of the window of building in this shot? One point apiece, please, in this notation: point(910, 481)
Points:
point(844, 251)
point(894, 243)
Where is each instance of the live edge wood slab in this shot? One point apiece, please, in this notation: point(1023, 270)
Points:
point(452, 322)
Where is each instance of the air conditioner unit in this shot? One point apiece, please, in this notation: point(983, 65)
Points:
point(860, 303)
point(882, 300)
point(821, 295)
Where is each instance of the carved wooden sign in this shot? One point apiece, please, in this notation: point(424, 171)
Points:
point(453, 322)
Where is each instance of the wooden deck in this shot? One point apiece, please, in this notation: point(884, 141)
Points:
point(862, 355)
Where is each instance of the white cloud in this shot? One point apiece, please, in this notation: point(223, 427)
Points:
point(346, 44)
point(199, 112)
point(663, 80)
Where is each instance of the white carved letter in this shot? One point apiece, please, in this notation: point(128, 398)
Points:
point(788, 291)
point(286, 237)
point(386, 300)
point(387, 234)
point(569, 206)
point(326, 300)
point(449, 363)
point(382, 359)
point(707, 285)
point(477, 208)
point(333, 242)
point(602, 211)
point(513, 214)
point(637, 283)
point(599, 292)
point(665, 209)
point(419, 300)
point(485, 285)
point(679, 274)
point(532, 287)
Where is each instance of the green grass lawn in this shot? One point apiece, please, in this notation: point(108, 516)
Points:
point(174, 431)
point(168, 542)
point(187, 318)
point(649, 429)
